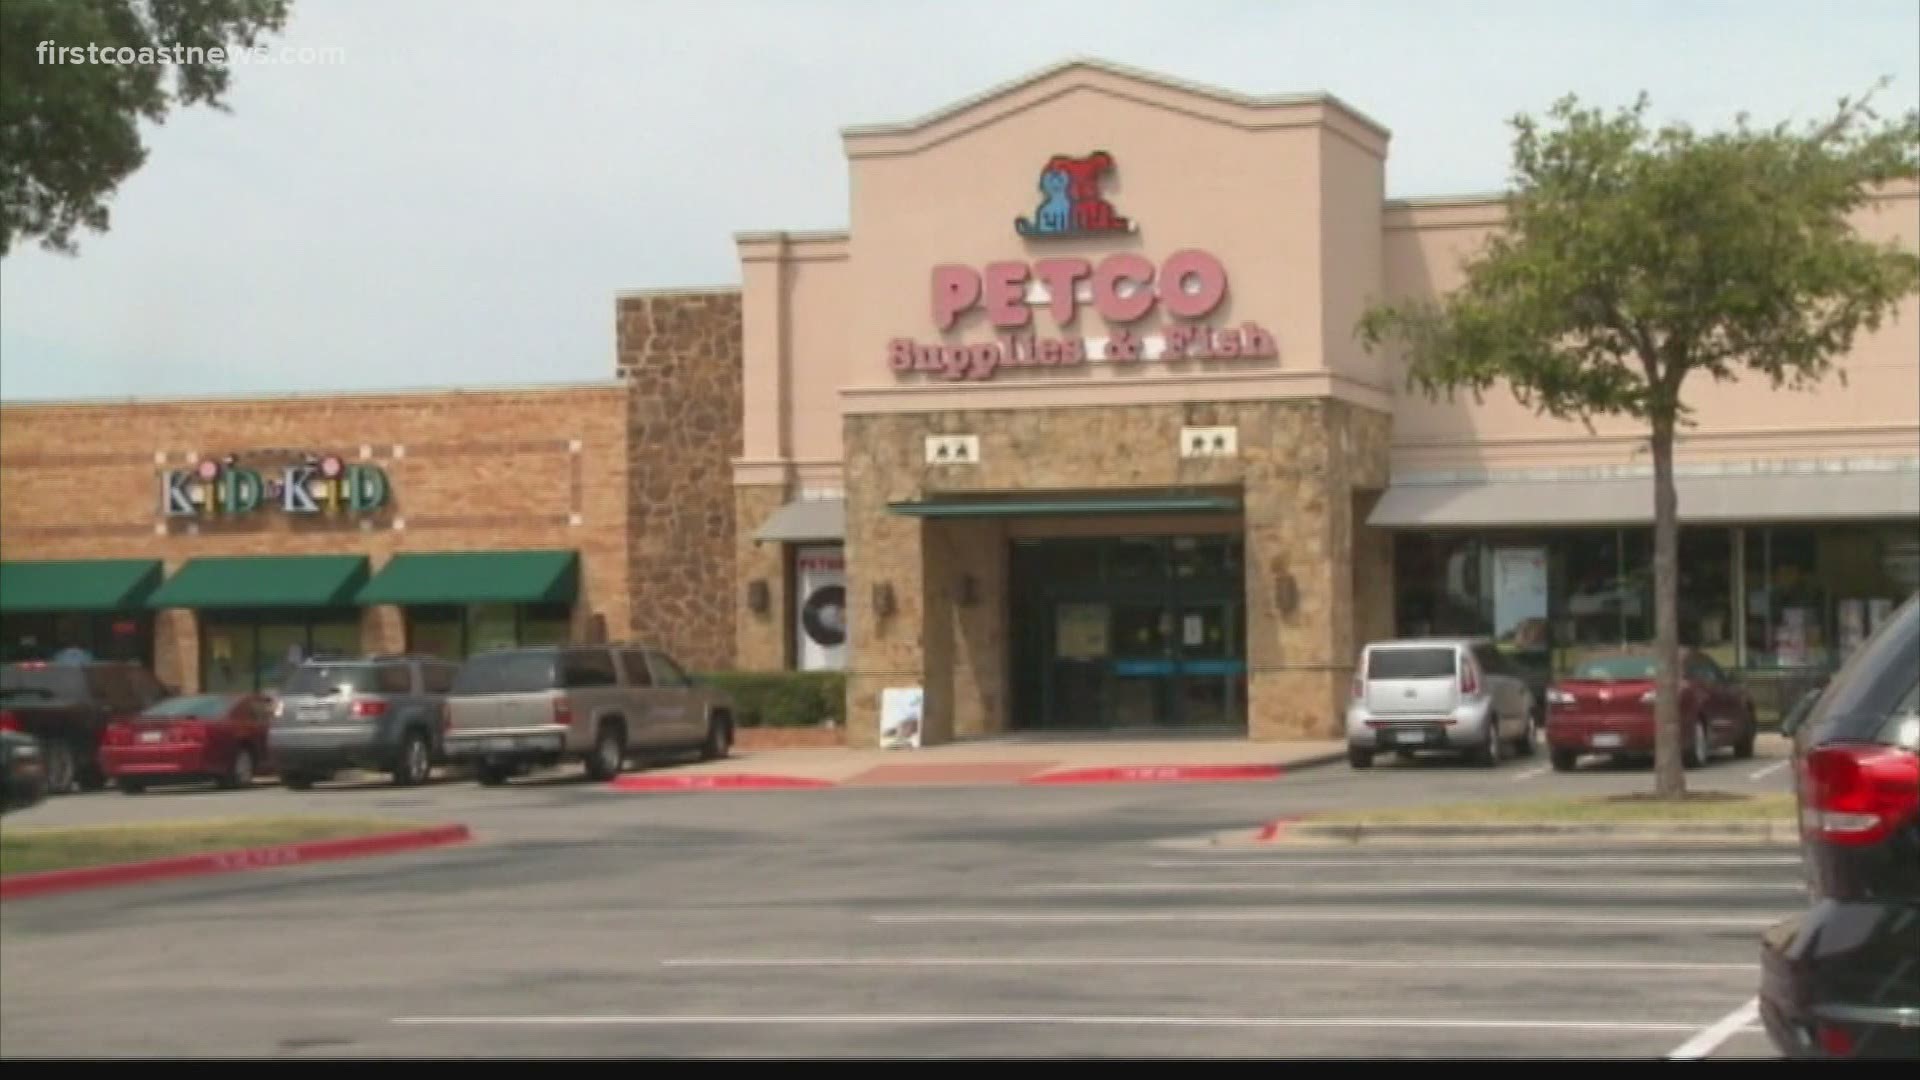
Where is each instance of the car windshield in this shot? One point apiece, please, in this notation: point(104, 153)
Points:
point(506, 673)
point(1418, 663)
point(326, 680)
point(191, 705)
point(1615, 669)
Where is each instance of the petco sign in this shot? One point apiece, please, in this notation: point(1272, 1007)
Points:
point(1187, 287)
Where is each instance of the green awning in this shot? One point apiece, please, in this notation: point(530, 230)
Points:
point(77, 584)
point(476, 577)
point(975, 506)
point(260, 581)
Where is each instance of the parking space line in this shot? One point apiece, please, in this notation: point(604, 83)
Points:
point(1536, 771)
point(909, 962)
point(936, 1020)
point(1650, 885)
point(1575, 861)
point(1243, 915)
point(1761, 774)
point(1709, 1038)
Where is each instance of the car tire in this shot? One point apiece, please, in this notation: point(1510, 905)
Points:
point(719, 738)
point(1563, 760)
point(60, 771)
point(1699, 748)
point(1359, 757)
point(492, 773)
point(1744, 748)
point(239, 775)
point(415, 764)
point(130, 786)
point(1493, 752)
point(609, 751)
point(1529, 742)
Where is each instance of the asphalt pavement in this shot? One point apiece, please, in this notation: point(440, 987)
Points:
point(909, 922)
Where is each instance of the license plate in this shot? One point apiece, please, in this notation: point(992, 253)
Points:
point(314, 714)
point(1606, 740)
point(150, 736)
point(1410, 736)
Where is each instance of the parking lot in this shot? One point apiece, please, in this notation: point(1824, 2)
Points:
point(870, 922)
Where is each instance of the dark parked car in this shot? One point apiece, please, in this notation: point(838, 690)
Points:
point(68, 707)
point(1842, 978)
point(192, 738)
point(380, 712)
point(26, 770)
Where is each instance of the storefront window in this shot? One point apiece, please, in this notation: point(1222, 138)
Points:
point(257, 650)
point(1814, 593)
point(37, 636)
point(455, 633)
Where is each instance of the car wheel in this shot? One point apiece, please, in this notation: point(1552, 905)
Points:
point(130, 786)
point(1495, 748)
point(1530, 740)
point(1698, 750)
point(59, 768)
point(609, 752)
point(1359, 757)
point(240, 773)
point(1563, 760)
point(719, 737)
point(416, 761)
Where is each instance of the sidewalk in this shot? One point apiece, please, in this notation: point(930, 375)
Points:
point(1011, 759)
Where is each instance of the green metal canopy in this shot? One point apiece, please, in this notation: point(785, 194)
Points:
point(476, 577)
point(77, 584)
point(260, 581)
point(1009, 506)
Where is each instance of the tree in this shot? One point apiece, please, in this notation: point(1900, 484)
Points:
point(1633, 259)
point(69, 120)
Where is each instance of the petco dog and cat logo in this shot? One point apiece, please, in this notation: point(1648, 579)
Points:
point(1070, 200)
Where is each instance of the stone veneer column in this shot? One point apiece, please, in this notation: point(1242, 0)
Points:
point(680, 355)
point(383, 629)
point(760, 638)
point(976, 549)
point(176, 649)
point(901, 649)
point(1372, 575)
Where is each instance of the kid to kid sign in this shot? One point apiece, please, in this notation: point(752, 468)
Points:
point(1122, 288)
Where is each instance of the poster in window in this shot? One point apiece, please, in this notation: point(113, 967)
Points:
point(1080, 631)
point(900, 717)
point(1853, 625)
point(820, 607)
point(1520, 597)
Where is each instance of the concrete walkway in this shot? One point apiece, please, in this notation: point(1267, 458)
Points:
point(1014, 759)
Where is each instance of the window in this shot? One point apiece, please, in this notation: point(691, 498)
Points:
point(588, 667)
point(507, 672)
point(438, 678)
point(394, 679)
point(455, 632)
point(1411, 663)
point(635, 663)
point(666, 672)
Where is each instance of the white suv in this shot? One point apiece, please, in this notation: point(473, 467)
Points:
point(1456, 694)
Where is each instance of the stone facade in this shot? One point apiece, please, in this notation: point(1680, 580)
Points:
point(521, 469)
point(1300, 466)
point(760, 637)
point(679, 353)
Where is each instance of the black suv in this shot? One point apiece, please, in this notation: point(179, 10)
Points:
point(1842, 979)
point(378, 712)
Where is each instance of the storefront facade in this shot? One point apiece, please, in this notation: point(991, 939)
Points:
point(220, 542)
point(1077, 396)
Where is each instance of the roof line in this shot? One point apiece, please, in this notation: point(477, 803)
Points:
point(1126, 72)
point(306, 395)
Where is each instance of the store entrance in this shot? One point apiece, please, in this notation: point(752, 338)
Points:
point(1129, 634)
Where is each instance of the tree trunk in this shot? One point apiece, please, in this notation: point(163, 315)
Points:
point(1670, 776)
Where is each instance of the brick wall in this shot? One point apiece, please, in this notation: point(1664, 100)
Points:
point(680, 354)
point(469, 470)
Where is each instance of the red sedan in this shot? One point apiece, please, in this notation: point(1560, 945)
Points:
point(1606, 707)
point(219, 737)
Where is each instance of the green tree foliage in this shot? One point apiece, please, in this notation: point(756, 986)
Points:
point(69, 132)
point(1634, 258)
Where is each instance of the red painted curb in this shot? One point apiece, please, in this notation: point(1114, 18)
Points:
point(1152, 774)
point(717, 781)
point(1271, 830)
point(15, 886)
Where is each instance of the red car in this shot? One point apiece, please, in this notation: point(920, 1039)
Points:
point(1606, 707)
point(219, 737)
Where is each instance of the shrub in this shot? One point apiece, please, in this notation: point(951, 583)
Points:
point(783, 698)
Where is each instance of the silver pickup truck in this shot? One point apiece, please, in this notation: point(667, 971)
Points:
point(518, 708)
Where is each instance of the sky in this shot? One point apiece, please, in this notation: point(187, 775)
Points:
point(460, 197)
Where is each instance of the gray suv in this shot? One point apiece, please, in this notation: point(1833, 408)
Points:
point(378, 712)
point(515, 708)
